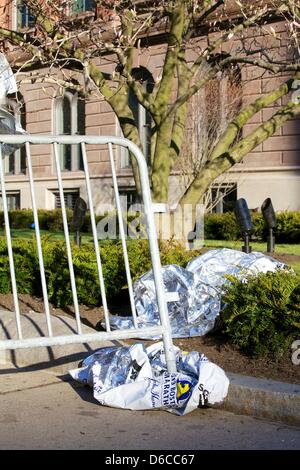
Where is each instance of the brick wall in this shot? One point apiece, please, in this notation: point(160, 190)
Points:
point(283, 148)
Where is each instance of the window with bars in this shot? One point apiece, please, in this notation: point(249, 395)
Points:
point(70, 197)
point(69, 119)
point(141, 116)
point(128, 198)
point(79, 6)
point(15, 163)
point(25, 19)
point(223, 198)
point(211, 109)
point(13, 199)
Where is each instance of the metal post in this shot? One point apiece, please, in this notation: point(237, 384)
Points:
point(9, 249)
point(269, 215)
point(38, 240)
point(77, 238)
point(122, 234)
point(95, 238)
point(246, 248)
point(155, 258)
point(67, 238)
point(270, 242)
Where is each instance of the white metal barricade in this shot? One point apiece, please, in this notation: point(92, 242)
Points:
point(51, 340)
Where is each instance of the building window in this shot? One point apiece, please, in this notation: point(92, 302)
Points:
point(13, 200)
point(141, 116)
point(70, 197)
point(211, 110)
point(128, 198)
point(222, 99)
point(24, 18)
point(222, 198)
point(15, 163)
point(83, 5)
point(70, 120)
point(122, 151)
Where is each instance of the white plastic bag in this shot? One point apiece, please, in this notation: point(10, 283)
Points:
point(8, 122)
point(136, 378)
point(7, 79)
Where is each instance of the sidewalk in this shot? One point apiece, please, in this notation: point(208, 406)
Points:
point(39, 410)
point(23, 369)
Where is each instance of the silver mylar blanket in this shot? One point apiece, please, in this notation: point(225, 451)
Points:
point(136, 378)
point(198, 288)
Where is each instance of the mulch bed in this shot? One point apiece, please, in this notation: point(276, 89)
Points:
point(223, 354)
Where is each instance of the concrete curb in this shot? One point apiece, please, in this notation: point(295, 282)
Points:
point(251, 396)
point(263, 398)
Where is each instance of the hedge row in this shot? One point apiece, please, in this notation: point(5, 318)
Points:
point(216, 226)
point(225, 227)
point(85, 268)
point(48, 219)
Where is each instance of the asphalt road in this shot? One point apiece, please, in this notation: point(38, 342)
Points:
point(64, 415)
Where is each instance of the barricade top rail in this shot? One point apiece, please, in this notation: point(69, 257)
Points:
point(70, 139)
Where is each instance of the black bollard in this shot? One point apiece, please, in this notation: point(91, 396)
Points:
point(243, 216)
point(270, 219)
point(79, 211)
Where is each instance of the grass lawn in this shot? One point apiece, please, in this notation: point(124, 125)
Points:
point(296, 268)
point(282, 249)
point(45, 234)
point(287, 249)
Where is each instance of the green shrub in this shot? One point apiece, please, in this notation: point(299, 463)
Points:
point(221, 226)
point(86, 274)
point(259, 231)
point(5, 284)
point(173, 252)
point(21, 218)
point(26, 268)
point(262, 315)
point(287, 229)
point(85, 267)
point(48, 219)
point(139, 257)
point(54, 221)
point(225, 227)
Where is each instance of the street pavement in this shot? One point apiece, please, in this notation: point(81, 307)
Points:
point(41, 407)
point(45, 410)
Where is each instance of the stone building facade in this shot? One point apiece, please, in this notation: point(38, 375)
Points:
point(271, 170)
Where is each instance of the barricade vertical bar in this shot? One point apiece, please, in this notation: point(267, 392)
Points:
point(155, 258)
point(68, 245)
point(38, 240)
point(95, 238)
point(9, 249)
point(122, 234)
